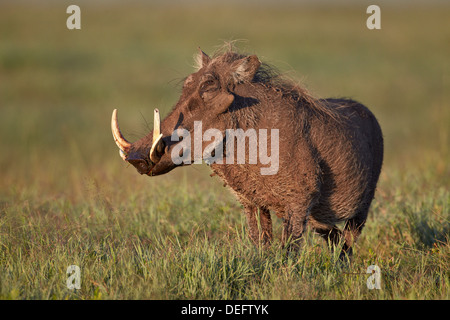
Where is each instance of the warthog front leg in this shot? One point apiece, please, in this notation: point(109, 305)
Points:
point(294, 225)
point(259, 233)
point(295, 221)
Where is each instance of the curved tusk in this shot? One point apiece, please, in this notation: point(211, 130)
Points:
point(157, 144)
point(156, 147)
point(123, 155)
point(156, 125)
point(121, 142)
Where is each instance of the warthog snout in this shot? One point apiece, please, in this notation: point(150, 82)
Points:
point(141, 165)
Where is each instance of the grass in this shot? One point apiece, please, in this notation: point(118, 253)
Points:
point(66, 197)
point(191, 245)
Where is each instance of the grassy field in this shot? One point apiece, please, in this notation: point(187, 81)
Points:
point(66, 197)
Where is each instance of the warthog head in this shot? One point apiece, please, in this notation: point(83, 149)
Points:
point(206, 94)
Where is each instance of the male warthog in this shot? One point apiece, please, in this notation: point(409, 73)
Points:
point(330, 150)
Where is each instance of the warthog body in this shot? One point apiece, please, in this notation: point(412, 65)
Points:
point(330, 151)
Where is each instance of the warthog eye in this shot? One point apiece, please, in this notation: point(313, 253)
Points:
point(208, 85)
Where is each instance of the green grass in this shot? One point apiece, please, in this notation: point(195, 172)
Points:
point(67, 198)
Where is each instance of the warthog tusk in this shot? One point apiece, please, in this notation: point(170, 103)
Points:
point(157, 138)
point(156, 125)
point(121, 142)
point(155, 147)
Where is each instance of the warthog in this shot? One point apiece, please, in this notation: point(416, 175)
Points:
point(330, 150)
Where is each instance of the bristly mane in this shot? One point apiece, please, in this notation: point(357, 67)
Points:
point(269, 76)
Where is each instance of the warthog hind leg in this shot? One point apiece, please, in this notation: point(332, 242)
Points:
point(348, 236)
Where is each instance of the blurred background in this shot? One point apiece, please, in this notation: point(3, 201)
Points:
point(58, 87)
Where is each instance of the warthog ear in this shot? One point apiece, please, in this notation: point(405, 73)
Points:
point(244, 70)
point(201, 60)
